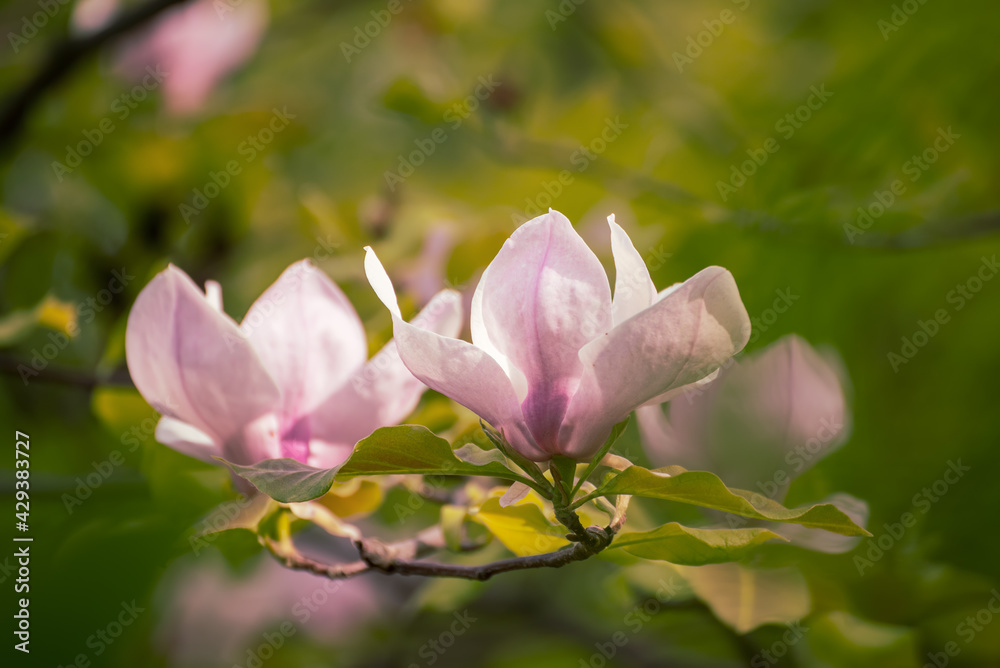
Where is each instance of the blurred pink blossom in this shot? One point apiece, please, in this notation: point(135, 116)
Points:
point(555, 362)
point(197, 44)
point(763, 422)
point(212, 617)
point(428, 272)
point(290, 381)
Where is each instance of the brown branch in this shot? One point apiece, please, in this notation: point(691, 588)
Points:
point(65, 57)
point(403, 558)
point(558, 559)
point(87, 380)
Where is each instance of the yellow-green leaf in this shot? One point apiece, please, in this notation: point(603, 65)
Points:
point(693, 547)
point(522, 528)
point(701, 488)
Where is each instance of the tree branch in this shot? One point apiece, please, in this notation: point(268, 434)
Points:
point(403, 558)
point(65, 57)
point(12, 366)
point(567, 555)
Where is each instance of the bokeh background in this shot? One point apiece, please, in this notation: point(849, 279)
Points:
point(430, 129)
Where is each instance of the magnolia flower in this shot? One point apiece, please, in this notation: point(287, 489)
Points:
point(759, 425)
point(428, 271)
point(290, 381)
point(196, 45)
point(211, 616)
point(555, 363)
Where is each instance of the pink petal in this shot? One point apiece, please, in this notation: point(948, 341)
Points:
point(381, 393)
point(763, 422)
point(796, 396)
point(634, 289)
point(190, 362)
point(678, 340)
point(257, 441)
point(308, 336)
point(543, 297)
point(455, 368)
point(773, 417)
point(690, 389)
point(663, 443)
point(196, 45)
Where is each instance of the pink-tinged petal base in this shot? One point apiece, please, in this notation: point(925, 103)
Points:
point(542, 298)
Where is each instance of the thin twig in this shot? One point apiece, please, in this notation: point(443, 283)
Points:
point(575, 552)
point(12, 366)
point(67, 55)
point(403, 558)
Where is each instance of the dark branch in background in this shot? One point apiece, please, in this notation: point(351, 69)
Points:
point(952, 230)
point(509, 148)
point(64, 57)
point(12, 366)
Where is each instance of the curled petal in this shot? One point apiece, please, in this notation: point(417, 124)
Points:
point(258, 440)
point(381, 393)
point(455, 368)
point(634, 289)
point(679, 340)
point(186, 439)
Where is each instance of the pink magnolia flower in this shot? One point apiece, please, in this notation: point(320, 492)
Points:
point(290, 381)
point(196, 44)
point(555, 361)
point(759, 425)
point(210, 616)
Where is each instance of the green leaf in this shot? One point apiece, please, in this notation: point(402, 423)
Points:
point(473, 454)
point(841, 639)
point(389, 450)
point(693, 547)
point(244, 513)
point(286, 480)
point(522, 528)
point(566, 468)
point(745, 598)
point(414, 449)
point(705, 489)
point(452, 519)
point(616, 433)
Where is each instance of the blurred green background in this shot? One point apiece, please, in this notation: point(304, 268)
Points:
point(685, 95)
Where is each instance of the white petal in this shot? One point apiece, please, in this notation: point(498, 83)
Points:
point(187, 439)
point(455, 368)
point(634, 289)
point(383, 392)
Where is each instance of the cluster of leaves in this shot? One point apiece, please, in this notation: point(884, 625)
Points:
point(531, 517)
